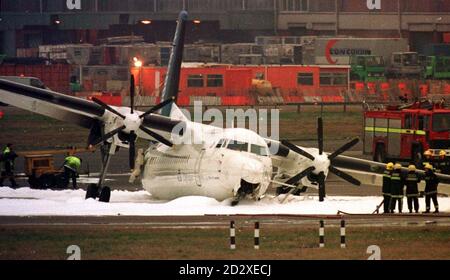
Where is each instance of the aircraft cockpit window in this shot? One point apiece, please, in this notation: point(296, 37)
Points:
point(220, 143)
point(259, 150)
point(238, 146)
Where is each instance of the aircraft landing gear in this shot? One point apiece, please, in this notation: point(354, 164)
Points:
point(96, 190)
point(245, 189)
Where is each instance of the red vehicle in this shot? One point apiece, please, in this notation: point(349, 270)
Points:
point(404, 133)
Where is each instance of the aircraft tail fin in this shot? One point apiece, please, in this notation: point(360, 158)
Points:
point(171, 84)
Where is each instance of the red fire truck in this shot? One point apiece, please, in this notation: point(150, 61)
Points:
point(404, 132)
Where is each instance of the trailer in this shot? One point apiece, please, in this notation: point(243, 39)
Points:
point(338, 51)
point(404, 65)
point(367, 68)
point(437, 68)
point(41, 171)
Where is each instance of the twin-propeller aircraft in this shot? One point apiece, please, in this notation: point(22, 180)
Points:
point(232, 163)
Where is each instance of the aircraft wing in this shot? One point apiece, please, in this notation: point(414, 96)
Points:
point(84, 113)
point(51, 104)
point(368, 167)
point(366, 171)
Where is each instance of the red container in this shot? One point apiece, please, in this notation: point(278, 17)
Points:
point(384, 86)
point(111, 100)
point(424, 90)
point(447, 88)
point(359, 87)
point(446, 38)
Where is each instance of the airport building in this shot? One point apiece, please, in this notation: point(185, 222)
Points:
point(28, 24)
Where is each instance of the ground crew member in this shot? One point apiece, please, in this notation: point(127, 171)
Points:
point(8, 165)
point(72, 165)
point(412, 190)
point(386, 189)
point(397, 183)
point(431, 185)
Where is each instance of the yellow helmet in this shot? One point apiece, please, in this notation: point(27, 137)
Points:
point(412, 167)
point(428, 166)
point(397, 166)
point(390, 166)
point(428, 153)
point(442, 153)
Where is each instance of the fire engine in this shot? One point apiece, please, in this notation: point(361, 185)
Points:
point(403, 133)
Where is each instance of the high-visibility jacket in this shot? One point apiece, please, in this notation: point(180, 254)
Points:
point(386, 188)
point(411, 181)
point(8, 159)
point(397, 183)
point(431, 182)
point(73, 163)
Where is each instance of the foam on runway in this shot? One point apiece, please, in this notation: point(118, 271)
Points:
point(30, 202)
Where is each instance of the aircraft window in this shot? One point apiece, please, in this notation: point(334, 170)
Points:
point(220, 143)
point(238, 146)
point(259, 150)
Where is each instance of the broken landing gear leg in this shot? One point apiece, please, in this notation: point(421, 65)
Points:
point(94, 189)
point(105, 165)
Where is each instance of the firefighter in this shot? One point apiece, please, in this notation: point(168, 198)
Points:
point(397, 183)
point(412, 190)
point(386, 189)
point(72, 165)
point(7, 171)
point(442, 163)
point(428, 155)
point(431, 185)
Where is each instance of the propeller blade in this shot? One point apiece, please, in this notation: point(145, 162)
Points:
point(107, 107)
point(320, 135)
point(345, 176)
point(156, 136)
point(300, 175)
point(157, 107)
point(322, 191)
point(297, 149)
point(108, 135)
point(132, 92)
point(132, 149)
point(343, 148)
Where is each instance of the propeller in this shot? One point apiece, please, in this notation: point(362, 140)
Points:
point(132, 120)
point(320, 177)
point(300, 175)
point(297, 149)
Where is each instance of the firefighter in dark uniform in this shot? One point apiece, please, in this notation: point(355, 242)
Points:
point(386, 189)
point(431, 185)
point(442, 163)
point(397, 183)
point(412, 190)
point(72, 165)
point(8, 165)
